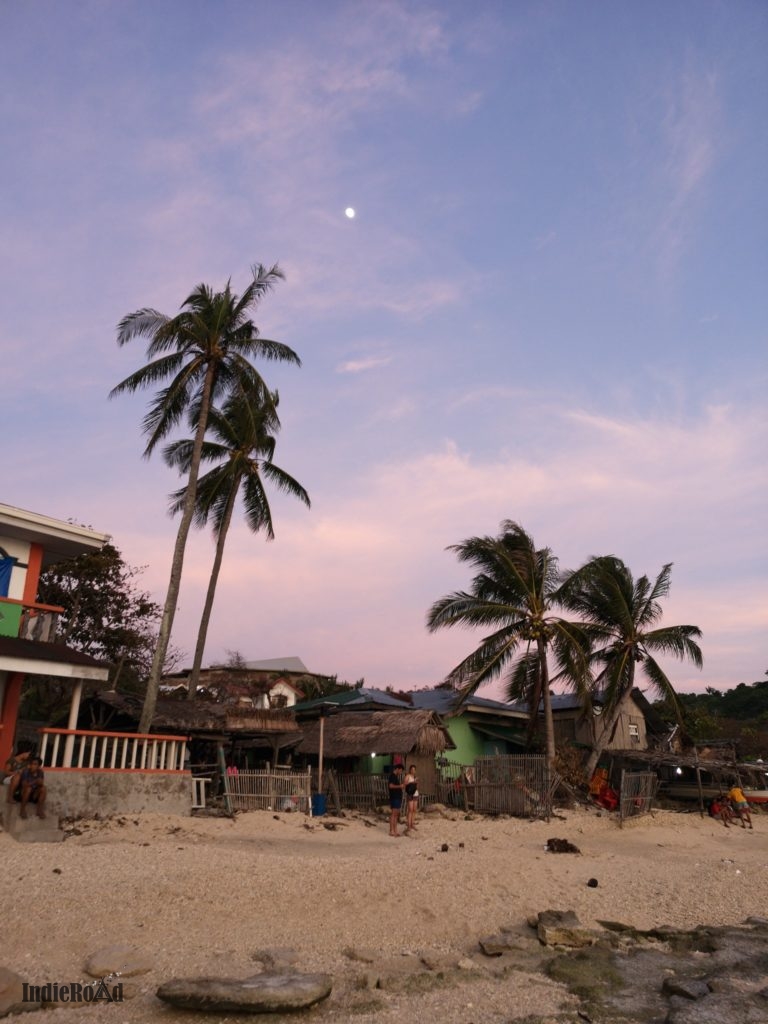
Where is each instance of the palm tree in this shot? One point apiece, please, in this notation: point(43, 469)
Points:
point(622, 616)
point(514, 593)
point(206, 352)
point(244, 449)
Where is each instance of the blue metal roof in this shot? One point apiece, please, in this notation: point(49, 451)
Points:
point(358, 698)
point(444, 701)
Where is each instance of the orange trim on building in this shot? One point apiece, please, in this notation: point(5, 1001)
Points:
point(32, 605)
point(9, 714)
point(34, 565)
point(154, 737)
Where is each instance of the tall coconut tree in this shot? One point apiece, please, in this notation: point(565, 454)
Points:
point(244, 448)
point(198, 356)
point(514, 593)
point(623, 623)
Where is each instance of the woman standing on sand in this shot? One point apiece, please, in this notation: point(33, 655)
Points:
point(412, 798)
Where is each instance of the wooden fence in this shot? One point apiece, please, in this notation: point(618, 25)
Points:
point(516, 784)
point(638, 791)
point(519, 785)
point(269, 790)
point(357, 791)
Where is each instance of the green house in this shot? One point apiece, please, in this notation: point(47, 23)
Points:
point(479, 727)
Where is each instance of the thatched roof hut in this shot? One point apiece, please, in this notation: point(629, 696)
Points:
point(109, 709)
point(361, 733)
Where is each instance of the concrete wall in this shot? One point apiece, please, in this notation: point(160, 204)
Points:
point(78, 793)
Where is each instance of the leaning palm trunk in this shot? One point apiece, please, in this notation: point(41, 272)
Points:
point(609, 722)
point(174, 583)
point(202, 633)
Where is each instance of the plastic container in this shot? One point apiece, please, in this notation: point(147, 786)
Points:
point(318, 805)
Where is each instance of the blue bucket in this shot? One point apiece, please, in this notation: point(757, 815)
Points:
point(318, 805)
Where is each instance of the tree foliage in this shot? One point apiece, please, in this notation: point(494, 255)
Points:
point(106, 615)
point(515, 595)
point(519, 597)
point(623, 616)
point(242, 452)
point(738, 715)
point(200, 356)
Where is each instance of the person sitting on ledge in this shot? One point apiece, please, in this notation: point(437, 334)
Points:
point(13, 768)
point(32, 788)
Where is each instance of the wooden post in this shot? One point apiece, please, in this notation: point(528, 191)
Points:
point(320, 754)
point(698, 782)
point(334, 789)
point(621, 800)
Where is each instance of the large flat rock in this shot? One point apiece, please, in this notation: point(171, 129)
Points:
point(263, 993)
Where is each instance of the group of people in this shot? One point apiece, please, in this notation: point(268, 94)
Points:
point(729, 808)
point(25, 782)
point(403, 788)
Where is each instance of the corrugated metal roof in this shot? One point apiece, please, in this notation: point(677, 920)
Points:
point(363, 697)
point(444, 702)
point(291, 664)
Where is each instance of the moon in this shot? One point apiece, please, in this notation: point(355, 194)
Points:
point(349, 212)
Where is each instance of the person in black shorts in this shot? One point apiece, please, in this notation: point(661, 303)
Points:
point(395, 798)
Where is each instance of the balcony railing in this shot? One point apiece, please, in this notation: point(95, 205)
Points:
point(87, 749)
point(29, 621)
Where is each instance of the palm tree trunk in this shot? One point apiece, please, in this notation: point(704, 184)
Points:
point(177, 564)
point(549, 724)
point(609, 727)
point(202, 632)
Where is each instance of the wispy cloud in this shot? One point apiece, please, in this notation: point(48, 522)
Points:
point(689, 136)
point(361, 365)
point(374, 558)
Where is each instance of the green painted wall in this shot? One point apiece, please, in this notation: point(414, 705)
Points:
point(469, 744)
point(10, 617)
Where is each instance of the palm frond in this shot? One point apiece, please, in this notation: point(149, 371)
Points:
point(153, 373)
point(141, 324)
point(677, 641)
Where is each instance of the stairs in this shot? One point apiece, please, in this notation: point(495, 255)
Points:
point(30, 829)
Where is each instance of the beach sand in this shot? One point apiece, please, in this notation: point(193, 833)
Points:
point(204, 896)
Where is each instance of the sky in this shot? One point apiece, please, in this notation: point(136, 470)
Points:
point(549, 307)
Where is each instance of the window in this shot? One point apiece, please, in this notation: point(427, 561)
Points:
point(634, 732)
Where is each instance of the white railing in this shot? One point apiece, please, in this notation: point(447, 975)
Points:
point(88, 749)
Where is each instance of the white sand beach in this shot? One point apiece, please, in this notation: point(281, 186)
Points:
point(203, 896)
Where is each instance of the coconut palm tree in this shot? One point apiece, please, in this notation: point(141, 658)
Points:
point(622, 616)
point(204, 353)
point(514, 593)
point(244, 449)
